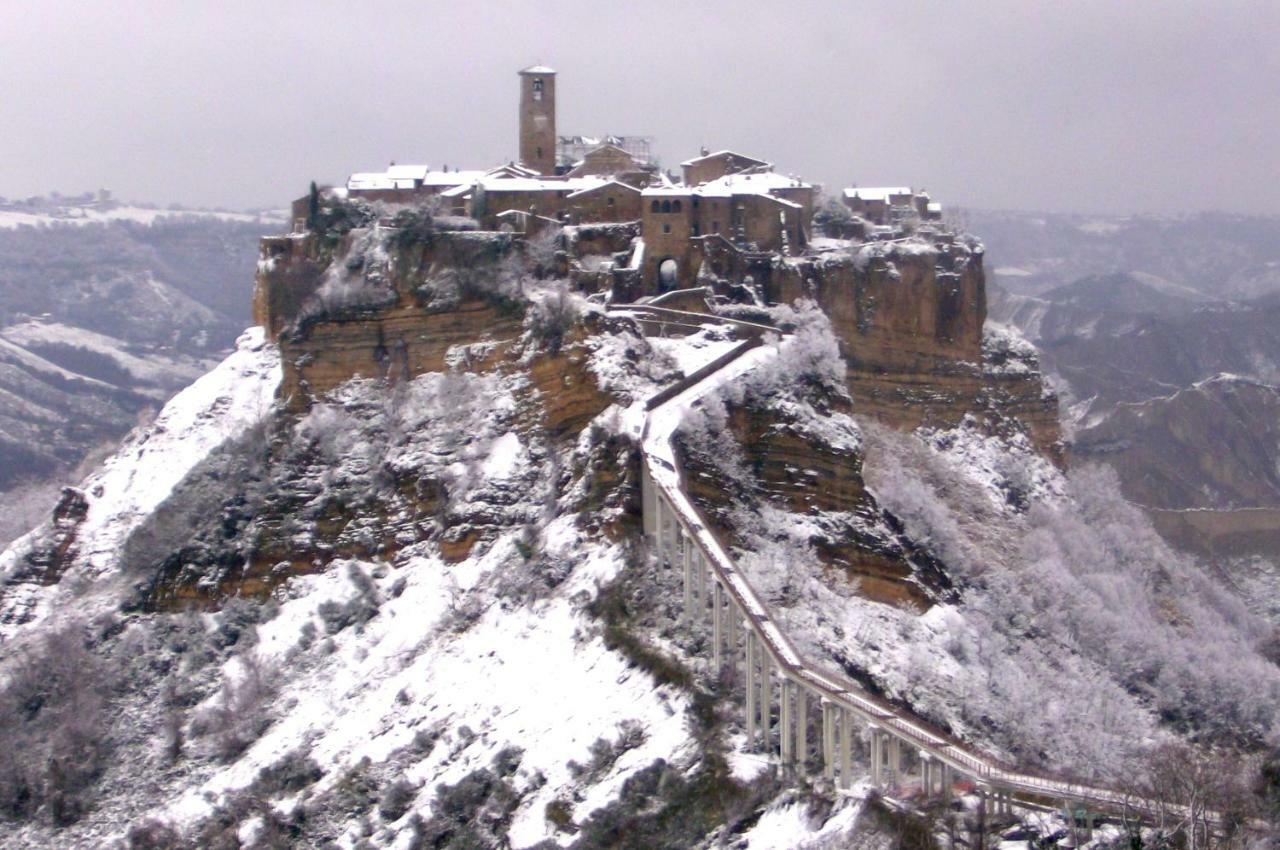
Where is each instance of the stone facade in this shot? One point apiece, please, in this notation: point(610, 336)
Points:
point(538, 119)
point(612, 202)
point(713, 166)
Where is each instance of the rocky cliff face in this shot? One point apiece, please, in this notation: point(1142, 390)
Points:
point(910, 317)
point(809, 473)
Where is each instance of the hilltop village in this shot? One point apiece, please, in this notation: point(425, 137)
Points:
point(905, 293)
point(720, 199)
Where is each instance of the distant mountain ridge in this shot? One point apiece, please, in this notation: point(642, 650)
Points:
point(105, 312)
point(1219, 254)
point(1163, 336)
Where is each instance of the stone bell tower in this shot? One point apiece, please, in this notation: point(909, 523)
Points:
point(538, 119)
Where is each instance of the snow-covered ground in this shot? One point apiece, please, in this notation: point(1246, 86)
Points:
point(531, 677)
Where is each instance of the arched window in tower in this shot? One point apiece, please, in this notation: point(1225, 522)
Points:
point(666, 206)
point(537, 91)
point(675, 206)
point(653, 207)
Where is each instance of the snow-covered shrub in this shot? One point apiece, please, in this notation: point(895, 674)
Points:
point(552, 314)
point(808, 358)
point(604, 753)
point(396, 799)
point(332, 217)
point(476, 810)
point(294, 771)
point(359, 281)
point(53, 727)
point(1074, 594)
point(153, 834)
point(356, 610)
point(237, 716)
point(832, 216)
point(498, 283)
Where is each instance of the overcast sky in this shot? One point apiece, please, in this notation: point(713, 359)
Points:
point(1120, 106)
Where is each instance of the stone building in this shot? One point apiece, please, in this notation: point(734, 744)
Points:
point(889, 204)
point(736, 201)
point(538, 119)
point(612, 161)
point(758, 210)
point(713, 166)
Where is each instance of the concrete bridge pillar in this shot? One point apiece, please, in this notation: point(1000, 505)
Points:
point(717, 624)
point(846, 748)
point(876, 739)
point(765, 699)
point(802, 727)
point(700, 577)
point(894, 758)
point(687, 563)
point(735, 617)
point(648, 506)
point(750, 689)
point(785, 739)
point(828, 740)
point(926, 775)
point(945, 781)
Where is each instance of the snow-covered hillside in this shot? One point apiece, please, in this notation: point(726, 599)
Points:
point(468, 645)
point(398, 699)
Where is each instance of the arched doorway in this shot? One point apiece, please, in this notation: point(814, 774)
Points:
point(668, 275)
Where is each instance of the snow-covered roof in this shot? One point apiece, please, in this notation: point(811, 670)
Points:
point(615, 183)
point(410, 172)
point(753, 182)
point(876, 193)
point(538, 69)
point(450, 178)
point(780, 201)
point(458, 191)
point(512, 169)
point(370, 180)
point(409, 176)
point(719, 154)
point(544, 184)
point(667, 191)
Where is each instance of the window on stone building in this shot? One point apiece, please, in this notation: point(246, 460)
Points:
point(537, 95)
point(675, 206)
point(666, 228)
point(654, 207)
point(609, 201)
point(697, 231)
point(666, 206)
point(715, 227)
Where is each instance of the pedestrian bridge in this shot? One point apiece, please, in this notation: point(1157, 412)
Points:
point(783, 689)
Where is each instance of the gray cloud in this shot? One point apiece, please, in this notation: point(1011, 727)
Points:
point(1115, 106)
